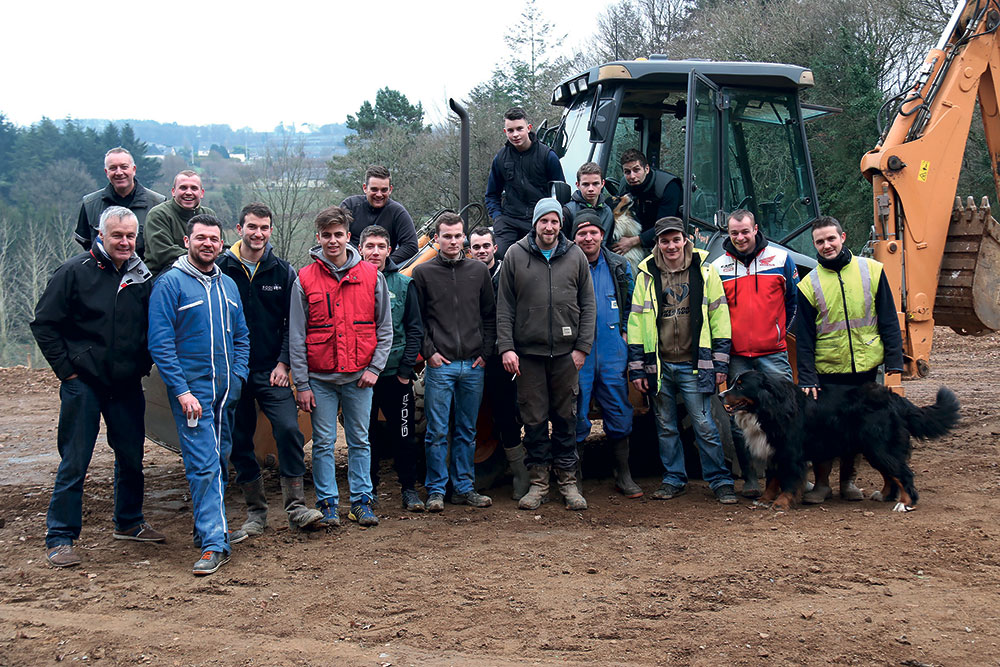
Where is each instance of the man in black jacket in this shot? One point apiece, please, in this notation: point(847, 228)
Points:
point(374, 207)
point(122, 190)
point(265, 283)
point(90, 324)
point(459, 314)
point(655, 194)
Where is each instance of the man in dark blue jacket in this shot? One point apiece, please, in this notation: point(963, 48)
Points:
point(90, 324)
point(655, 194)
point(199, 341)
point(519, 177)
point(265, 283)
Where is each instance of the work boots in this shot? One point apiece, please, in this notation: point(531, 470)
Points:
point(568, 488)
point(293, 494)
point(623, 476)
point(535, 496)
point(515, 459)
point(253, 493)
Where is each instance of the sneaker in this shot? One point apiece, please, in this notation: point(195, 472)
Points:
point(411, 501)
point(237, 536)
point(726, 494)
point(668, 491)
point(141, 533)
point(62, 555)
point(435, 502)
point(471, 498)
point(331, 517)
point(209, 563)
point(751, 488)
point(361, 512)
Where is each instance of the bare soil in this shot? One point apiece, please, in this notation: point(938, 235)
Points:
point(686, 581)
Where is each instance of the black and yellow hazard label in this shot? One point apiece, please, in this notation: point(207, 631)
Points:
point(925, 166)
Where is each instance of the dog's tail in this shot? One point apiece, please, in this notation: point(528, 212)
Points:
point(932, 421)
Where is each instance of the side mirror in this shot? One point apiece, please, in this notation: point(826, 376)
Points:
point(561, 191)
point(600, 121)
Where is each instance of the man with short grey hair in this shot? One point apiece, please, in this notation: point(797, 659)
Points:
point(122, 190)
point(90, 324)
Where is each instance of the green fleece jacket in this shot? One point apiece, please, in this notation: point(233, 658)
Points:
point(166, 227)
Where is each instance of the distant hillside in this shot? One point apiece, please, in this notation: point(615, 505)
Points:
point(320, 141)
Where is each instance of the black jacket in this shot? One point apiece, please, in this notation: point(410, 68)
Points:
point(458, 308)
point(624, 284)
point(518, 180)
point(139, 202)
point(393, 217)
point(266, 298)
point(92, 319)
point(659, 196)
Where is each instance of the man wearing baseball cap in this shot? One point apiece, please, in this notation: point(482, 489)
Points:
point(678, 344)
point(545, 329)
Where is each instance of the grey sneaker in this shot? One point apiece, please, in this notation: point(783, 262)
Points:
point(471, 498)
point(141, 533)
point(435, 502)
point(62, 555)
point(411, 501)
point(668, 491)
point(209, 563)
point(726, 494)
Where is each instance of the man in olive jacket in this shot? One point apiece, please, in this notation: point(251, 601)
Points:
point(166, 224)
point(545, 328)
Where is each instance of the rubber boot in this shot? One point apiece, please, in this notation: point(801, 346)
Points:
point(253, 493)
point(821, 491)
point(515, 459)
point(567, 487)
point(293, 494)
point(535, 496)
point(848, 489)
point(623, 476)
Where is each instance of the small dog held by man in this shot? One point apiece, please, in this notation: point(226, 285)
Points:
point(785, 429)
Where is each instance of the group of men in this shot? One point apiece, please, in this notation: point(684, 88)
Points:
point(542, 315)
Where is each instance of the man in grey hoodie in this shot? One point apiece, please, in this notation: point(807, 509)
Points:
point(339, 337)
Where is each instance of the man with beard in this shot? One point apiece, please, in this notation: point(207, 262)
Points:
point(199, 341)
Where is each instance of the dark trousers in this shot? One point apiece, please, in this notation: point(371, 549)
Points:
point(82, 405)
point(508, 232)
point(278, 405)
point(395, 400)
point(501, 392)
point(547, 391)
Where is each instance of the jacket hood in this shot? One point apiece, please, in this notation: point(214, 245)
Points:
point(185, 265)
point(745, 258)
point(353, 259)
point(602, 200)
point(134, 270)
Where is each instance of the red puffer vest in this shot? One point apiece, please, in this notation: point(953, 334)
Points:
point(340, 328)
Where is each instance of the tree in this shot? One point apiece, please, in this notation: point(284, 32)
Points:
point(637, 28)
point(392, 108)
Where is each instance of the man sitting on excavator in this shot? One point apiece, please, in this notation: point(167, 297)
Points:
point(655, 194)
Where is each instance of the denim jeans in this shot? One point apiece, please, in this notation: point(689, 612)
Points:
point(775, 365)
point(356, 404)
point(460, 384)
point(278, 405)
point(680, 379)
point(80, 413)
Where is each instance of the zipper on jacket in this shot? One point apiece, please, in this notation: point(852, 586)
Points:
point(551, 340)
point(847, 321)
point(329, 310)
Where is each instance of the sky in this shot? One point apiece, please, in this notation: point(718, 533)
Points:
point(255, 63)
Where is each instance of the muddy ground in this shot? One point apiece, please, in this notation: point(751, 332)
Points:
point(686, 581)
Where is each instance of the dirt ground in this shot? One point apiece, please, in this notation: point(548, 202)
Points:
point(686, 581)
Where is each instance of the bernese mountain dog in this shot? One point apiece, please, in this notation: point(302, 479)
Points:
point(785, 429)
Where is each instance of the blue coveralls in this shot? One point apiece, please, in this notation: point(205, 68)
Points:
point(603, 373)
point(199, 340)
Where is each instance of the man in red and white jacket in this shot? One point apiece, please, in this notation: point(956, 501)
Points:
point(760, 281)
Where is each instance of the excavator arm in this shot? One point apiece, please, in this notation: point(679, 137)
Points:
point(942, 259)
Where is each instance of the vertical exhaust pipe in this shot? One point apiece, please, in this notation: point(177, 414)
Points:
point(463, 116)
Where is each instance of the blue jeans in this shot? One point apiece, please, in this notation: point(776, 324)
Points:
point(205, 451)
point(770, 364)
point(680, 378)
point(462, 384)
point(82, 405)
point(356, 404)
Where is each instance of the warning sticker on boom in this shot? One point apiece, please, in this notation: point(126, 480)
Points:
point(924, 168)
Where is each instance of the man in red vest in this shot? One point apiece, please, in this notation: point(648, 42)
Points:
point(340, 333)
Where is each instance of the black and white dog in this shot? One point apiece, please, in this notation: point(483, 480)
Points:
point(785, 429)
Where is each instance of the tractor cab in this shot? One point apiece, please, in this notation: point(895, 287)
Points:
point(732, 131)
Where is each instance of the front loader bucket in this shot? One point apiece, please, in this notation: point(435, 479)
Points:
point(968, 295)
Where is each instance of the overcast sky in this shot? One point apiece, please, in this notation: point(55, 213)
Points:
point(254, 63)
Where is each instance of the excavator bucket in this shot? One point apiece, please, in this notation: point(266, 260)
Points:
point(968, 296)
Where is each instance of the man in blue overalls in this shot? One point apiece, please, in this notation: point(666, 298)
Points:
point(603, 373)
point(199, 340)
